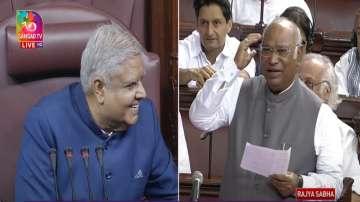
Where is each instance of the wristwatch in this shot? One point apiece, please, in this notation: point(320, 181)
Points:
point(300, 181)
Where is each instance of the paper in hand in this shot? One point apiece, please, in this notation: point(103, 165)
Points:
point(265, 161)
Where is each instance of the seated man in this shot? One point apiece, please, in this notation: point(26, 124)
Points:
point(209, 48)
point(268, 111)
point(318, 74)
point(247, 12)
point(348, 67)
point(104, 121)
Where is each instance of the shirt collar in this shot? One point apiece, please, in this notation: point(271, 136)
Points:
point(195, 44)
point(227, 49)
point(80, 104)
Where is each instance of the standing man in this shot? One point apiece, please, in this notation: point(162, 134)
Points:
point(268, 111)
point(104, 120)
point(209, 48)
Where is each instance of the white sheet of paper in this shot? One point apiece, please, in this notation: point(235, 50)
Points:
point(265, 161)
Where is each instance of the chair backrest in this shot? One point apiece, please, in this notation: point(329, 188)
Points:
point(27, 75)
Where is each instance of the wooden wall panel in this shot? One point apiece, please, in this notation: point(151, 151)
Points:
point(163, 25)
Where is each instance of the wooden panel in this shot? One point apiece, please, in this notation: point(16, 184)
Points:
point(163, 41)
point(198, 149)
point(186, 10)
point(333, 15)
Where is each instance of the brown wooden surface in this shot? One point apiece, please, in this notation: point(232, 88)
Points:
point(163, 41)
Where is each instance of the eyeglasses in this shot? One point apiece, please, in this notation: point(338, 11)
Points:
point(267, 51)
point(311, 85)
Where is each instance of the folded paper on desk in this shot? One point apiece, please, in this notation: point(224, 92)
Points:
point(265, 161)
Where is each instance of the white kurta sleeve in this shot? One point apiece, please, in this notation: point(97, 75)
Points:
point(327, 143)
point(214, 105)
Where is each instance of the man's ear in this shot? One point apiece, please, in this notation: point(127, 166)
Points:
point(229, 26)
point(299, 54)
point(327, 91)
point(98, 86)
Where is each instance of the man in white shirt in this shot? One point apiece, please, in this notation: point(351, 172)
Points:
point(247, 12)
point(209, 48)
point(268, 111)
point(348, 67)
point(318, 74)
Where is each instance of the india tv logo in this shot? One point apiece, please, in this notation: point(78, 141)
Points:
point(29, 29)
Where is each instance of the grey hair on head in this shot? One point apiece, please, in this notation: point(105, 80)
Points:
point(106, 50)
point(285, 22)
point(329, 75)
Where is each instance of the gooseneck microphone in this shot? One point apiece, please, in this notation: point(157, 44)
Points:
point(197, 179)
point(53, 159)
point(69, 155)
point(85, 156)
point(99, 150)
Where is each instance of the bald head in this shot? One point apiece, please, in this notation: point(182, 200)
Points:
point(286, 26)
point(281, 54)
point(318, 73)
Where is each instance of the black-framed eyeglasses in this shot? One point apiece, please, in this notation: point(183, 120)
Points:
point(267, 51)
point(311, 85)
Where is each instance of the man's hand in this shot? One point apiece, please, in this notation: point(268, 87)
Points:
point(200, 75)
point(285, 184)
point(242, 57)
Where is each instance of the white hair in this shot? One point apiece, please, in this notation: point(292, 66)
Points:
point(106, 50)
point(328, 75)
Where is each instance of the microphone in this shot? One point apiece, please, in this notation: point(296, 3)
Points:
point(69, 155)
point(99, 150)
point(197, 179)
point(85, 156)
point(52, 156)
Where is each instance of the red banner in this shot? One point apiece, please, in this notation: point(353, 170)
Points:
point(315, 194)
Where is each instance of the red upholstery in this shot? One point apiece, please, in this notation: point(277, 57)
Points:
point(27, 75)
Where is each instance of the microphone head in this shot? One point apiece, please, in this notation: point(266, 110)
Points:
point(84, 152)
point(197, 175)
point(99, 149)
point(68, 152)
point(52, 151)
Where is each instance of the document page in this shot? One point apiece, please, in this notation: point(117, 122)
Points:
point(265, 161)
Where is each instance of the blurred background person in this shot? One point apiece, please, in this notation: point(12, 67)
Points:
point(348, 67)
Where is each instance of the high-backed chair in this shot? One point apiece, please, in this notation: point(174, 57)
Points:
point(27, 75)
